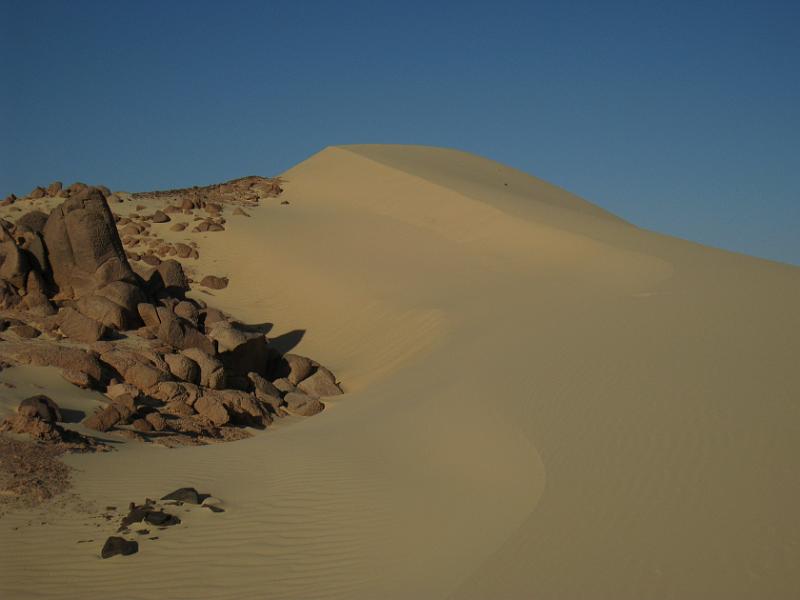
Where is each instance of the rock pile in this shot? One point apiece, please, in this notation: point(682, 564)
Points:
point(174, 370)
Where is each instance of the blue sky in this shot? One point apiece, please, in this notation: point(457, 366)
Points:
point(683, 117)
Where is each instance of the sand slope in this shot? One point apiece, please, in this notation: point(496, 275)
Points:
point(543, 402)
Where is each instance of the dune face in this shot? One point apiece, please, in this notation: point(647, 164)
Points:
point(542, 401)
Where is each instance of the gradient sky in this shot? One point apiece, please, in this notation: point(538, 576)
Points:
point(682, 117)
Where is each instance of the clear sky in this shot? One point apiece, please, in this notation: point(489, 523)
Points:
point(683, 117)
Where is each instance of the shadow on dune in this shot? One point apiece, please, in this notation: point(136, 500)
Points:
point(287, 341)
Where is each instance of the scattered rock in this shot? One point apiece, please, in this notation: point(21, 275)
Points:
point(214, 282)
point(40, 406)
point(302, 405)
point(116, 545)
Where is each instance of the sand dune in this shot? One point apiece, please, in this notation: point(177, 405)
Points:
point(543, 401)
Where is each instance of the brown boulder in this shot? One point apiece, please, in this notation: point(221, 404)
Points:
point(212, 407)
point(159, 217)
point(54, 188)
point(212, 371)
point(104, 419)
point(214, 282)
point(183, 367)
point(321, 383)
point(104, 311)
point(302, 405)
point(14, 265)
point(84, 248)
point(79, 327)
point(40, 406)
point(32, 221)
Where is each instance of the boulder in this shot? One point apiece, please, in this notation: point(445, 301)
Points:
point(84, 248)
point(183, 367)
point(212, 407)
point(169, 279)
point(116, 545)
point(40, 406)
point(36, 300)
point(245, 409)
point(32, 245)
point(124, 294)
point(186, 494)
point(299, 367)
point(187, 310)
point(104, 311)
point(38, 192)
point(212, 371)
point(54, 188)
point(14, 264)
point(240, 351)
point(32, 221)
point(149, 315)
point(302, 405)
point(104, 419)
point(25, 331)
point(180, 333)
point(159, 217)
point(214, 282)
point(79, 327)
point(284, 385)
point(321, 383)
point(135, 369)
point(62, 357)
point(157, 422)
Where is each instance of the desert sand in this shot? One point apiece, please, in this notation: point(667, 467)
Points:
point(541, 401)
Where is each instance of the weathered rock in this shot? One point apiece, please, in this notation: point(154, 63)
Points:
point(84, 248)
point(32, 245)
point(25, 331)
point(209, 316)
point(212, 371)
point(54, 188)
point(36, 301)
point(240, 351)
point(40, 406)
point(124, 294)
point(116, 390)
point(116, 545)
point(62, 357)
point(284, 385)
point(135, 369)
point(243, 408)
point(38, 192)
point(302, 404)
point(265, 391)
point(183, 367)
point(157, 422)
point(9, 298)
point(187, 310)
point(104, 311)
point(14, 264)
point(159, 217)
point(141, 424)
point(212, 407)
point(299, 367)
point(185, 494)
point(169, 279)
point(79, 327)
point(214, 282)
point(149, 315)
point(32, 221)
point(104, 419)
point(180, 333)
point(321, 383)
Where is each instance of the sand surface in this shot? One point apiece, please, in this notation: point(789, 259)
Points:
point(543, 401)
